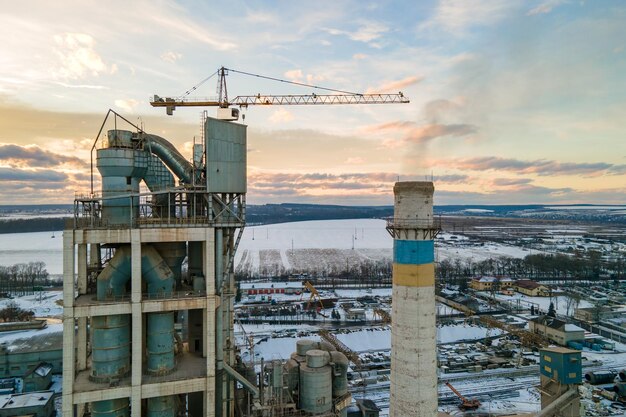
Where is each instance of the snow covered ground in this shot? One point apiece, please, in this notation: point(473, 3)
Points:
point(359, 340)
point(560, 302)
point(326, 246)
point(43, 304)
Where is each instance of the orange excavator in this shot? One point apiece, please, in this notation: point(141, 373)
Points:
point(466, 403)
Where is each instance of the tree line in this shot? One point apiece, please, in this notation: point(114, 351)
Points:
point(23, 279)
point(587, 265)
point(38, 224)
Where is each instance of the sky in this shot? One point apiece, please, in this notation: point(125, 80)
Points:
point(511, 101)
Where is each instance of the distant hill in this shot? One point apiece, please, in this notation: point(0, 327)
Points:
point(52, 217)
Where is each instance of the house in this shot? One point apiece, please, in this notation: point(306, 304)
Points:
point(483, 283)
point(531, 288)
point(259, 288)
point(595, 314)
point(556, 330)
point(355, 314)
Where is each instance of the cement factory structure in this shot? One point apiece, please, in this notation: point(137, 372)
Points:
point(149, 288)
point(142, 334)
point(129, 296)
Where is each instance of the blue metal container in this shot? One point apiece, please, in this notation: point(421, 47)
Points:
point(111, 408)
point(561, 364)
point(160, 343)
point(110, 347)
point(161, 406)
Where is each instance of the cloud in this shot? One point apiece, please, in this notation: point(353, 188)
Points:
point(78, 56)
point(128, 104)
point(171, 56)
point(415, 133)
point(281, 116)
point(294, 75)
point(394, 86)
point(33, 156)
point(22, 175)
point(354, 160)
point(500, 182)
point(86, 86)
point(451, 179)
point(545, 7)
point(542, 167)
point(456, 16)
point(367, 32)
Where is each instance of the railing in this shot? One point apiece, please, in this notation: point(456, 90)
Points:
point(398, 223)
point(177, 207)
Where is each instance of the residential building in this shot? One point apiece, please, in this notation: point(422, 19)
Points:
point(531, 288)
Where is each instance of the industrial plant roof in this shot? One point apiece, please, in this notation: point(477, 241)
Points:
point(488, 279)
point(25, 400)
point(43, 369)
point(50, 338)
point(549, 321)
point(528, 284)
point(257, 285)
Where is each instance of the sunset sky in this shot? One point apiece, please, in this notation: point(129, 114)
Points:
point(512, 102)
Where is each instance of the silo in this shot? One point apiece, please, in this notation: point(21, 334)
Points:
point(111, 408)
point(316, 383)
point(340, 373)
point(304, 345)
point(413, 390)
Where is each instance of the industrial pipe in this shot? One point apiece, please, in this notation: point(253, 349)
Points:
point(170, 157)
point(600, 377)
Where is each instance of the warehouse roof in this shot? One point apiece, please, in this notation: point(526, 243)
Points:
point(263, 285)
point(30, 399)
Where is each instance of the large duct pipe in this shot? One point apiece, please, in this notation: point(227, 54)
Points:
point(111, 335)
point(160, 340)
point(413, 390)
point(170, 157)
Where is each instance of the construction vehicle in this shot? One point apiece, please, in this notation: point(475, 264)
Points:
point(315, 298)
point(226, 112)
point(466, 403)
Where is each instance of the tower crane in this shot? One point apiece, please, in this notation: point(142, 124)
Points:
point(227, 112)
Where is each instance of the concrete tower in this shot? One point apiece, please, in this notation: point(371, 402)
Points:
point(413, 334)
point(144, 337)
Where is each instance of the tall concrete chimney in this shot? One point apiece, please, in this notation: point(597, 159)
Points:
point(413, 334)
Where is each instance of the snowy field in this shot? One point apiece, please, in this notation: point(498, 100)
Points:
point(327, 246)
point(43, 304)
point(359, 340)
point(560, 302)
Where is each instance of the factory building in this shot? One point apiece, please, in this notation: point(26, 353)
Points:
point(413, 389)
point(19, 356)
point(125, 291)
point(33, 404)
point(556, 330)
point(265, 288)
